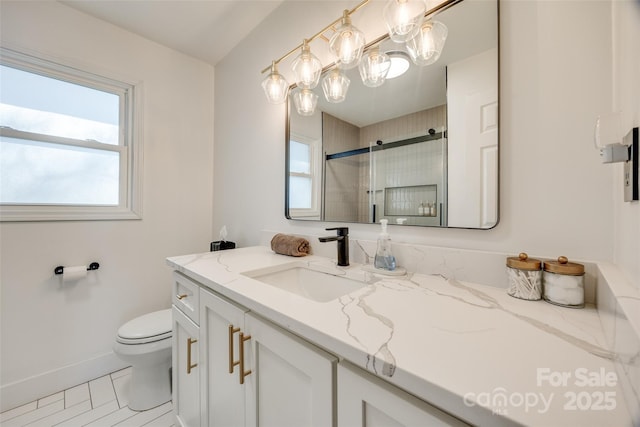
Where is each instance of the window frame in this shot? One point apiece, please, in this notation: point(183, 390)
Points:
point(129, 144)
point(315, 153)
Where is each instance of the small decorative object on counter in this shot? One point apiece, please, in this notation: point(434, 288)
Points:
point(222, 244)
point(384, 259)
point(285, 244)
point(525, 277)
point(563, 283)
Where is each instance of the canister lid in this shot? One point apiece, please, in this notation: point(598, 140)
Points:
point(563, 266)
point(523, 262)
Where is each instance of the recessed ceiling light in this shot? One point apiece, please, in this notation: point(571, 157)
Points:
point(399, 63)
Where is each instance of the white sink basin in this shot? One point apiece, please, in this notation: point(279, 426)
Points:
point(312, 284)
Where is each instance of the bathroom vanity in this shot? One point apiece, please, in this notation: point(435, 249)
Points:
point(266, 339)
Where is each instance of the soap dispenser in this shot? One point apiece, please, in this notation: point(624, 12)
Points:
point(384, 258)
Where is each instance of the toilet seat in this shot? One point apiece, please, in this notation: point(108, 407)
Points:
point(148, 328)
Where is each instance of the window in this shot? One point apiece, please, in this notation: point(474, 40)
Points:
point(67, 146)
point(304, 176)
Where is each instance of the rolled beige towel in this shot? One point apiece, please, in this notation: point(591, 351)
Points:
point(290, 245)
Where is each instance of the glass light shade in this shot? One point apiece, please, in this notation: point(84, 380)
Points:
point(425, 48)
point(335, 86)
point(347, 43)
point(305, 101)
point(275, 86)
point(307, 68)
point(374, 68)
point(403, 18)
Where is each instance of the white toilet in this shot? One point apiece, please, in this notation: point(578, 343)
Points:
point(145, 343)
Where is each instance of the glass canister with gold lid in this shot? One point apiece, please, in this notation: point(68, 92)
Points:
point(525, 277)
point(563, 283)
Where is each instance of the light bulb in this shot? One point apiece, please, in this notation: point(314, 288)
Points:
point(335, 86)
point(307, 68)
point(425, 48)
point(374, 68)
point(403, 18)
point(347, 43)
point(275, 86)
point(305, 101)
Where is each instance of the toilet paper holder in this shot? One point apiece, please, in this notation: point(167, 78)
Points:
point(93, 266)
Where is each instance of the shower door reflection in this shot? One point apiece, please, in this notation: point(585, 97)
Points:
point(408, 181)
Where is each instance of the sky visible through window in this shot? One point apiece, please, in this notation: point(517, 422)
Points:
point(40, 172)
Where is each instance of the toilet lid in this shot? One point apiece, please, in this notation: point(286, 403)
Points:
point(147, 328)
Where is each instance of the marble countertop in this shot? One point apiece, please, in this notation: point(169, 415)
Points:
point(466, 348)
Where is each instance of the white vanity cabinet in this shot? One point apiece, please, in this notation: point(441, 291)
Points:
point(250, 372)
point(365, 400)
point(232, 367)
point(222, 396)
point(185, 370)
point(291, 382)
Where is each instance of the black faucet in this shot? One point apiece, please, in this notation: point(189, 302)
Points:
point(343, 244)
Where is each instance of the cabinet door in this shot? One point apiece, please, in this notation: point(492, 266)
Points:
point(291, 383)
point(222, 395)
point(185, 370)
point(367, 401)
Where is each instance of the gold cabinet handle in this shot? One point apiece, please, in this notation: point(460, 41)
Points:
point(181, 296)
point(242, 372)
point(190, 365)
point(232, 362)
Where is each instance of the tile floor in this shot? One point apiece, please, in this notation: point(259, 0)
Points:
point(98, 403)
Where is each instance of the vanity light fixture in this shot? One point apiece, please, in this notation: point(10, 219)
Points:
point(425, 48)
point(374, 67)
point(347, 43)
point(275, 86)
point(307, 68)
point(403, 18)
point(399, 63)
point(305, 101)
point(335, 86)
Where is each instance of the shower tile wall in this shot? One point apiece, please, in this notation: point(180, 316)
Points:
point(408, 126)
point(342, 183)
point(347, 180)
point(408, 166)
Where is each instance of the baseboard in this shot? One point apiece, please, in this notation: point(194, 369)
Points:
point(24, 391)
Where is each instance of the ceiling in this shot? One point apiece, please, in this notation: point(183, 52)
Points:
point(205, 29)
point(210, 29)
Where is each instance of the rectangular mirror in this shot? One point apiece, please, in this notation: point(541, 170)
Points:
point(421, 149)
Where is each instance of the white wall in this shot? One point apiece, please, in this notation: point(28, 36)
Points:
point(56, 336)
point(555, 79)
point(626, 85)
